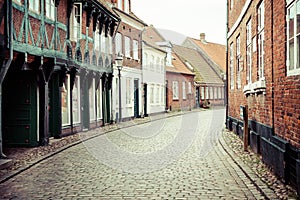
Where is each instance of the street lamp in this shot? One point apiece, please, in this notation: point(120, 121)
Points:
point(119, 63)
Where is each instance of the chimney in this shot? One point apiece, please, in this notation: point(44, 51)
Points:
point(202, 37)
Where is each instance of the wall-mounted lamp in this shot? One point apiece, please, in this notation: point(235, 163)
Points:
point(25, 65)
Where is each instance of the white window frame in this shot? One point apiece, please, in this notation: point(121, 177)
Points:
point(126, 6)
point(151, 94)
point(92, 102)
point(145, 61)
point(76, 25)
point(162, 94)
point(119, 46)
point(175, 90)
point(189, 88)
point(65, 95)
point(231, 65)
point(127, 47)
point(202, 92)
point(249, 50)
point(211, 93)
point(34, 6)
point(293, 57)
point(260, 31)
point(135, 49)
point(50, 9)
point(120, 4)
point(238, 62)
point(183, 90)
point(206, 92)
point(157, 93)
point(103, 43)
point(152, 61)
point(76, 101)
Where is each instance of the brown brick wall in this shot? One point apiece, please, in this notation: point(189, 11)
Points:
point(179, 104)
point(284, 108)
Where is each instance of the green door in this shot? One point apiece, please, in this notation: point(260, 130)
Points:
point(20, 109)
point(54, 107)
point(136, 98)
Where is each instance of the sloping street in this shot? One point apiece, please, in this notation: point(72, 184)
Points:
point(177, 157)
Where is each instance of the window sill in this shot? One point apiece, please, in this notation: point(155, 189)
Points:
point(255, 88)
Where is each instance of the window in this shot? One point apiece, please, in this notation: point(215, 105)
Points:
point(92, 100)
point(249, 51)
point(50, 9)
point(162, 65)
point(231, 67)
point(189, 87)
point(76, 100)
point(97, 38)
point(145, 61)
point(293, 38)
point(157, 93)
point(152, 63)
point(103, 43)
point(211, 93)
point(127, 47)
point(216, 93)
point(75, 24)
point(157, 64)
point(231, 4)
point(175, 90)
point(65, 101)
point(162, 94)
point(183, 91)
point(120, 4)
point(207, 93)
point(220, 92)
point(99, 100)
point(152, 94)
point(135, 49)
point(202, 92)
point(119, 45)
point(128, 90)
point(126, 6)
point(238, 62)
point(109, 44)
point(260, 30)
point(34, 6)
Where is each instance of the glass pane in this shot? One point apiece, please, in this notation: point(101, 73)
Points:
point(291, 21)
point(298, 17)
point(291, 54)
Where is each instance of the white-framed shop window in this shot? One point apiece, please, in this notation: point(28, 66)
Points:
point(50, 9)
point(175, 90)
point(76, 100)
point(92, 101)
point(99, 100)
point(293, 37)
point(75, 22)
point(65, 101)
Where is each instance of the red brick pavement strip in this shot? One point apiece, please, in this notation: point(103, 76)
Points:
point(253, 167)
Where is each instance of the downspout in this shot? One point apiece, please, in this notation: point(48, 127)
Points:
point(226, 81)
point(5, 66)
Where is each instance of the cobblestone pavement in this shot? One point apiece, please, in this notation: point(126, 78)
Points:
point(171, 158)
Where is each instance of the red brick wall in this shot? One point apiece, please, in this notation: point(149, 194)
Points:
point(133, 34)
point(284, 108)
point(180, 104)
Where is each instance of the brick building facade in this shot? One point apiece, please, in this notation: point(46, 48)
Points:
point(263, 73)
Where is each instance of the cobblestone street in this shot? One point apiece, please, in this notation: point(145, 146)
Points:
point(177, 157)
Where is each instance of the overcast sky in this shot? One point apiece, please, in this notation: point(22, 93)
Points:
point(189, 17)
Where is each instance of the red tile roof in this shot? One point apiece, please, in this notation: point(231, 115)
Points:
point(178, 66)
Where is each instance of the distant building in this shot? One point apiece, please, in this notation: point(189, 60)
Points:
point(264, 75)
point(153, 72)
point(208, 83)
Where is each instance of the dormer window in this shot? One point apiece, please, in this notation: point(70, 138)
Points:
point(126, 6)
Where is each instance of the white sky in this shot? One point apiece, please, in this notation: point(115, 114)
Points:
point(189, 17)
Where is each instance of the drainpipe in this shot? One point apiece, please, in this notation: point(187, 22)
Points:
point(6, 65)
point(272, 49)
point(226, 81)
